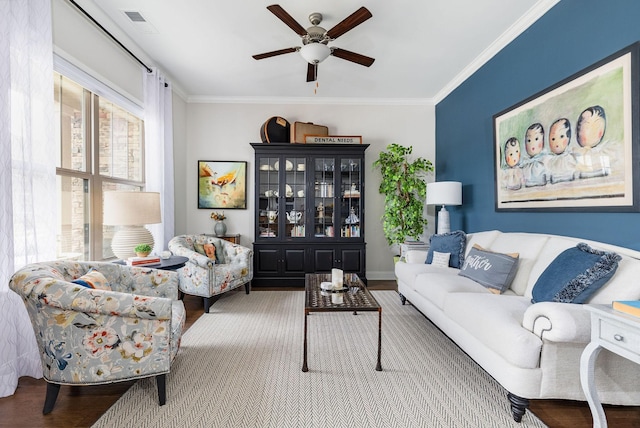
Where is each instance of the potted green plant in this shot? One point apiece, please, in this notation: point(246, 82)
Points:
point(142, 250)
point(404, 188)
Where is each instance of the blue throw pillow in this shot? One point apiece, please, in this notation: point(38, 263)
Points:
point(453, 243)
point(493, 270)
point(575, 275)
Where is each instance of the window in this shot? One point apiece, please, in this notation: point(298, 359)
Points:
point(100, 148)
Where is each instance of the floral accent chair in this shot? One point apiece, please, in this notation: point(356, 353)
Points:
point(210, 275)
point(127, 327)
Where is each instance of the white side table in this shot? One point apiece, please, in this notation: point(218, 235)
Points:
point(615, 331)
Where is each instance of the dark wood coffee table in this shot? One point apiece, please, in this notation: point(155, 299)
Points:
point(356, 298)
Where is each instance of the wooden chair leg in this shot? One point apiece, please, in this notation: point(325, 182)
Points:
point(247, 287)
point(207, 304)
point(161, 381)
point(50, 399)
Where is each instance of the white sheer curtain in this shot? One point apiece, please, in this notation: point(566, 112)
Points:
point(27, 173)
point(158, 125)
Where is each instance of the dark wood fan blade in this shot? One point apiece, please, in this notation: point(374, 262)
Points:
point(312, 72)
point(274, 53)
point(352, 56)
point(287, 19)
point(351, 21)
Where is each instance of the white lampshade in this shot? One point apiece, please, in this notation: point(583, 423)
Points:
point(444, 193)
point(314, 52)
point(131, 210)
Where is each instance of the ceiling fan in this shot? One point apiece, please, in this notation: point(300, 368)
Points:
point(315, 39)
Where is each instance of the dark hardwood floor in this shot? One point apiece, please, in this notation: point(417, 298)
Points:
point(81, 406)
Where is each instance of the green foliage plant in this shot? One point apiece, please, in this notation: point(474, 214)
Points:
point(404, 188)
point(142, 248)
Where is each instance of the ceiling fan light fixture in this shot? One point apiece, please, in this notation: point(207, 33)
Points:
point(315, 53)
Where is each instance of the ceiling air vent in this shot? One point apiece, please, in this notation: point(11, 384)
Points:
point(139, 22)
point(134, 16)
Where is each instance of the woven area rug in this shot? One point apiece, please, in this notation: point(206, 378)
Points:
point(240, 366)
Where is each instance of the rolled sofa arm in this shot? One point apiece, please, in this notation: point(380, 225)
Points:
point(558, 322)
point(196, 258)
point(147, 281)
point(239, 255)
point(65, 295)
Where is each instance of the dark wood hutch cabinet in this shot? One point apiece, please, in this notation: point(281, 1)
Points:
point(309, 211)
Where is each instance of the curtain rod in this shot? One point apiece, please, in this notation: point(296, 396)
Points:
point(149, 70)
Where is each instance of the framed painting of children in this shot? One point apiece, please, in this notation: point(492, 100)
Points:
point(573, 146)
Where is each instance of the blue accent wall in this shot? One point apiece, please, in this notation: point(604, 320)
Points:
point(571, 36)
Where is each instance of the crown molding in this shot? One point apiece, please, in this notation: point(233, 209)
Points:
point(203, 99)
point(517, 28)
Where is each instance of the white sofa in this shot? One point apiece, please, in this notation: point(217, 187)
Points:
point(532, 349)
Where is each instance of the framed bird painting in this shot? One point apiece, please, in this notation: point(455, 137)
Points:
point(222, 184)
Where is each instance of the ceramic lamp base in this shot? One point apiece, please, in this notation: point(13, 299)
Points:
point(443, 221)
point(125, 240)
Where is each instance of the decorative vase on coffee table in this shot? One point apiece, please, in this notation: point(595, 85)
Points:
point(220, 228)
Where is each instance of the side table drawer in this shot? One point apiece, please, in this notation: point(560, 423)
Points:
point(619, 335)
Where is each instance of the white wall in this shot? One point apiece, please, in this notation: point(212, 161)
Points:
point(80, 42)
point(180, 162)
point(223, 131)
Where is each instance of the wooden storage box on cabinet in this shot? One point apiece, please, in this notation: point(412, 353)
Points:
point(300, 129)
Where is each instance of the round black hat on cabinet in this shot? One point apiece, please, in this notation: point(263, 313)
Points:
point(275, 130)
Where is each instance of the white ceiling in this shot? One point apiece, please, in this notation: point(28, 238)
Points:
point(423, 49)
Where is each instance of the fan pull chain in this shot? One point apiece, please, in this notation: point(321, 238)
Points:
point(315, 91)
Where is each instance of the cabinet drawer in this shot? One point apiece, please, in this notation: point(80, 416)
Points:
point(619, 335)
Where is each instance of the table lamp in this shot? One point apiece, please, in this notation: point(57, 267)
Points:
point(131, 211)
point(444, 193)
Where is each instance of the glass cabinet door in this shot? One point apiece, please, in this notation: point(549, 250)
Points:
point(350, 201)
point(324, 202)
point(309, 197)
point(268, 199)
point(295, 196)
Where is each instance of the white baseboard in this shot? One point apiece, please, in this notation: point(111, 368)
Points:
point(381, 275)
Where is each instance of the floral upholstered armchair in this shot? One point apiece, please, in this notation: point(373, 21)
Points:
point(112, 323)
point(214, 267)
